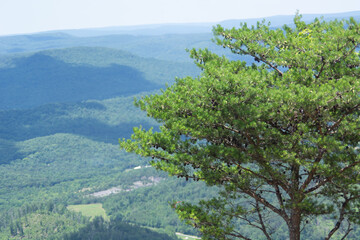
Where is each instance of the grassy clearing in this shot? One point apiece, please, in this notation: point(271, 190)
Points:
point(89, 210)
point(186, 237)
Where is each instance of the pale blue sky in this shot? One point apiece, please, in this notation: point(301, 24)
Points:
point(28, 16)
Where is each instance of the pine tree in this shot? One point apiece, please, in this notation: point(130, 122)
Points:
point(281, 136)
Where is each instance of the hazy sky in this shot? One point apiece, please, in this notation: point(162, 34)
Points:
point(27, 16)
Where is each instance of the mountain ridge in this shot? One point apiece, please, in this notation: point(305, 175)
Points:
point(197, 27)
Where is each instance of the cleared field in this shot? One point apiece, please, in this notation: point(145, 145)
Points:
point(186, 237)
point(89, 210)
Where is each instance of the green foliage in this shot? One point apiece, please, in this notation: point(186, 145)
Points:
point(98, 229)
point(64, 164)
point(55, 222)
point(8, 151)
point(281, 135)
point(47, 161)
point(40, 221)
point(150, 206)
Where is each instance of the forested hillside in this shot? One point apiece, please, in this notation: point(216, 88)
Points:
point(63, 153)
point(59, 144)
point(105, 120)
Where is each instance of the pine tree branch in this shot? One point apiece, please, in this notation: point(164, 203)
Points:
point(328, 179)
point(263, 227)
point(349, 229)
point(340, 220)
point(267, 204)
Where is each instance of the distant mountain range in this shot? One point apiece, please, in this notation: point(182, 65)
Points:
point(191, 28)
point(161, 41)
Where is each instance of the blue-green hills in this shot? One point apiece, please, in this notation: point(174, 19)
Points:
point(82, 73)
point(62, 112)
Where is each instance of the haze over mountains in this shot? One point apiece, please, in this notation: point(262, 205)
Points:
point(65, 99)
point(197, 28)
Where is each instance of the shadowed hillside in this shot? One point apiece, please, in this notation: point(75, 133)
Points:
point(104, 121)
point(40, 79)
point(75, 74)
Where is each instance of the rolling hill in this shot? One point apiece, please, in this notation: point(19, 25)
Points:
point(75, 74)
point(104, 121)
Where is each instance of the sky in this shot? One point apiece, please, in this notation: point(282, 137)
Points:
point(30, 16)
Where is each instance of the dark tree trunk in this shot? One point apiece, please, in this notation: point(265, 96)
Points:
point(294, 225)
